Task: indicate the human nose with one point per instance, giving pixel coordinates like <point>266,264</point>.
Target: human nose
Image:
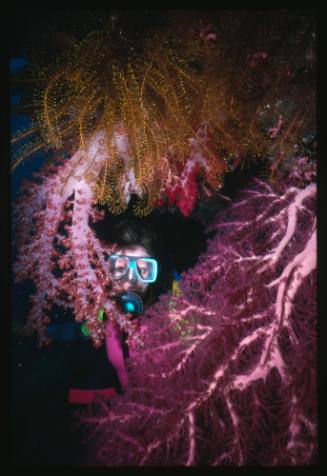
<point>131,276</point>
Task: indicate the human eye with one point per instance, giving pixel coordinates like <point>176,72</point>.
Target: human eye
<point>143,267</point>
<point>143,271</point>
<point>118,266</point>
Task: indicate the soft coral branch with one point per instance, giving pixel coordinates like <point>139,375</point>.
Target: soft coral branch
<point>56,247</point>
<point>215,377</point>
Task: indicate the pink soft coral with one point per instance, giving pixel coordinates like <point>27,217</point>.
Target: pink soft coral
<point>227,372</point>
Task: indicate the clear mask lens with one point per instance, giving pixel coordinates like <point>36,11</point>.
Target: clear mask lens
<point>145,268</point>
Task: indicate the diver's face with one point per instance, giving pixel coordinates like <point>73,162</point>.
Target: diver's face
<point>130,282</point>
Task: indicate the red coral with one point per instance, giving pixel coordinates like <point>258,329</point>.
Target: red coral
<point>185,193</point>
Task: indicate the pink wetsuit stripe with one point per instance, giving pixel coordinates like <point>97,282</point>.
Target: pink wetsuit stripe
<point>77,395</point>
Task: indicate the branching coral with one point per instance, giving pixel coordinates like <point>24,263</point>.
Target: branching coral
<point>57,248</point>
<point>220,378</point>
<point>226,374</point>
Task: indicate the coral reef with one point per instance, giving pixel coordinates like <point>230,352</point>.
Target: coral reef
<point>59,251</point>
<point>227,373</point>
<point>162,117</point>
<point>224,372</point>
<point>177,107</point>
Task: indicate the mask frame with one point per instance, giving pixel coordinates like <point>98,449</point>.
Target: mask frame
<point>132,264</point>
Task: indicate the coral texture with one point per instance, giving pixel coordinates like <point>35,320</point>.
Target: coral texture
<point>58,250</point>
<point>162,118</point>
<point>227,373</point>
<point>224,372</point>
<point>178,106</point>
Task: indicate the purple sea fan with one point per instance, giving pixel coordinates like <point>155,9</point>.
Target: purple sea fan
<point>226,374</point>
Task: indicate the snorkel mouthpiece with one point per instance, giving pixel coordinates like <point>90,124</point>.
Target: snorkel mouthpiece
<point>131,302</point>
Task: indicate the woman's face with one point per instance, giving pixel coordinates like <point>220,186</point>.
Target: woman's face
<point>130,281</point>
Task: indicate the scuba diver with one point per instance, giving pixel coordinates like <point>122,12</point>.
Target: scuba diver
<point>142,268</point>
<point>69,375</point>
